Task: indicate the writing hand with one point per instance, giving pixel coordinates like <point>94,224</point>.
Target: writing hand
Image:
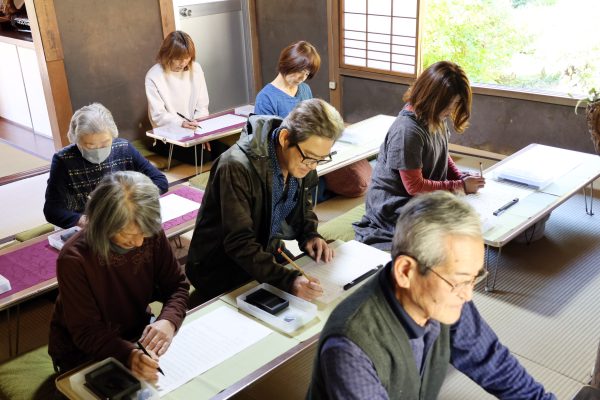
<point>307,289</point>
<point>189,124</point>
<point>142,366</point>
<point>473,183</point>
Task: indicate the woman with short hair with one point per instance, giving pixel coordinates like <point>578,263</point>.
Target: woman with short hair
<point>414,157</point>
<point>176,84</point>
<point>298,62</point>
<point>94,152</point>
<point>107,276</point>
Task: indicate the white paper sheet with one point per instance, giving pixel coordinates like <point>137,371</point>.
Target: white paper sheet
<point>493,196</point>
<point>173,132</point>
<point>205,343</point>
<point>539,166</point>
<point>174,206</point>
<point>223,121</point>
<point>352,259</point>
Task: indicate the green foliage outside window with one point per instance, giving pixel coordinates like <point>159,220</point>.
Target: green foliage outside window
<point>532,44</point>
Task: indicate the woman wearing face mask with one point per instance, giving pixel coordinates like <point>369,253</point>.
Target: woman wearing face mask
<point>94,151</point>
<point>175,86</point>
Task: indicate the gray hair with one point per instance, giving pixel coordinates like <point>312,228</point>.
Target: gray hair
<point>425,222</point>
<point>119,199</point>
<point>313,117</point>
<point>91,119</point>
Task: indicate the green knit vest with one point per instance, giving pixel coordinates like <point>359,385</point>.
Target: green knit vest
<point>366,319</point>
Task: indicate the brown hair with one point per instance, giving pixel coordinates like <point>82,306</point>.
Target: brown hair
<point>435,90</point>
<point>298,57</point>
<point>176,46</point>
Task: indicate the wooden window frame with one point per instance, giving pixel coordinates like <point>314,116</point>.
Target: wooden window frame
<point>361,70</point>
<point>407,79</point>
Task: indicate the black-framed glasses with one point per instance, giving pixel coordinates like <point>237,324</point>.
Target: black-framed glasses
<point>455,287</point>
<point>313,161</point>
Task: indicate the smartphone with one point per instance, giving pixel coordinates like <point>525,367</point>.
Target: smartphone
<point>267,301</point>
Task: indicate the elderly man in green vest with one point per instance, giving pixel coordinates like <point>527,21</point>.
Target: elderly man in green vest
<point>395,336</point>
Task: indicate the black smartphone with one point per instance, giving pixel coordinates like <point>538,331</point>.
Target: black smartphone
<point>111,381</point>
<point>267,301</point>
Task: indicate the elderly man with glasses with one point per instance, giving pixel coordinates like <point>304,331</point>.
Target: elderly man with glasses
<point>259,193</point>
<point>394,337</point>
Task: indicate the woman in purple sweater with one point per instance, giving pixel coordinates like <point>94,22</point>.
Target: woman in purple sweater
<point>109,273</point>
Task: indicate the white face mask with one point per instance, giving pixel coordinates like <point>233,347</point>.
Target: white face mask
<point>95,156</point>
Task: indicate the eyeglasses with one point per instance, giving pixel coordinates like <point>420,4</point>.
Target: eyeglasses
<point>456,287</point>
<point>459,287</point>
<point>313,161</point>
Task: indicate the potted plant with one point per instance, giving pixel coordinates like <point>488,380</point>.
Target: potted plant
<point>592,112</point>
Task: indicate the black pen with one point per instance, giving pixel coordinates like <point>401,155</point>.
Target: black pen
<point>188,120</point>
<point>506,206</point>
<point>361,278</point>
<point>142,348</point>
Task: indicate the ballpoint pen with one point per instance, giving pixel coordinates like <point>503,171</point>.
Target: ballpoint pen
<point>188,120</point>
<point>292,263</point>
<point>480,168</point>
<point>361,278</point>
<point>506,206</point>
<point>142,348</point>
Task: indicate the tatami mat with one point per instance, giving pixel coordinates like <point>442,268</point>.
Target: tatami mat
<point>14,160</point>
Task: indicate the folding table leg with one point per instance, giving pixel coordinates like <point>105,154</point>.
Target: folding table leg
<point>196,158</point>
<point>201,160</point>
<point>170,156</point>
<point>585,199</point>
<point>492,276</point>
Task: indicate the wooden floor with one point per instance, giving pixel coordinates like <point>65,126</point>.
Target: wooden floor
<point>26,140</point>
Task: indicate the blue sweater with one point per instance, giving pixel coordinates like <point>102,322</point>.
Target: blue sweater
<point>273,101</point>
<point>73,178</point>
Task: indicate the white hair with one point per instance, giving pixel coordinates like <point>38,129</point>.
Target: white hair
<point>426,221</point>
<point>91,119</point>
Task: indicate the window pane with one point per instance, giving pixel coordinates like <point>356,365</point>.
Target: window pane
<point>358,44</point>
<point>405,26</point>
<point>398,58</point>
<point>355,22</point>
<point>378,55</point>
<point>357,6</point>
<point>405,8</point>
<point>403,50</point>
<point>355,35</point>
<point>379,65</point>
<point>355,53</point>
<point>379,47</point>
<point>381,7</point>
<point>377,37</point>
<point>360,62</point>
<point>404,41</point>
<point>409,69</point>
<point>550,45</point>
<point>380,24</point>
